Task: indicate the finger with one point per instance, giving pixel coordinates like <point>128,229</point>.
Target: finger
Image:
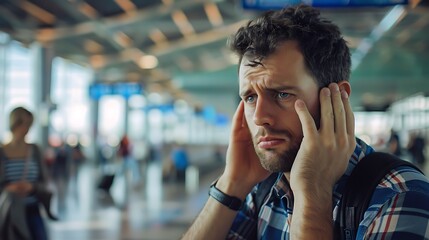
<point>350,119</point>
<point>338,108</point>
<point>237,119</point>
<point>326,112</point>
<point>307,121</point>
<point>240,130</point>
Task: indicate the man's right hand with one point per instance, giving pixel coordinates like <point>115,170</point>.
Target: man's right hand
<point>243,169</point>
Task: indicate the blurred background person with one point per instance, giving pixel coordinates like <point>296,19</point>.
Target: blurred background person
<point>394,144</point>
<point>23,174</point>
<point>416,147</point>
<point>179,157</point>
<point>61,175</point>
<point>129,163</point>
<point>77,159</point>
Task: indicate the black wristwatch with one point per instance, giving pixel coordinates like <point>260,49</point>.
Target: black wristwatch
<point>231,202</point>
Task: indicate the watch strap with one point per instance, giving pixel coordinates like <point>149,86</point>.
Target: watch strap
<point>231,202</point>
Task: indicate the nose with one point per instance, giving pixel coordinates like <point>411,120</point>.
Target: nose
<point>264,113</point>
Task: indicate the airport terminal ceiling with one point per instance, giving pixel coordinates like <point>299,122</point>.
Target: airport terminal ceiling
<point>157,42</point>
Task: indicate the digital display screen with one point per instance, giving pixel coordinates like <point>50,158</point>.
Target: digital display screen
<point>97,90</point>
<point>277,4</point>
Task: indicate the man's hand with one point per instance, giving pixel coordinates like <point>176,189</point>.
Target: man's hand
<point>321,160</point>
<point>324,153</point>
<point>243,169</point>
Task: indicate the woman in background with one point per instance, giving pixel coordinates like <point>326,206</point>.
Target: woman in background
<point>23,176</point>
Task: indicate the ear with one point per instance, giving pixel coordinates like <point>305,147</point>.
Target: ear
<point>345,85</point>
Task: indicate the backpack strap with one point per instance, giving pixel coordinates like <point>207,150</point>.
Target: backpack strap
<point>359,189</point>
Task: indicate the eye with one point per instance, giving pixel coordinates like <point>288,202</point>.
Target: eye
<point>283,95</point>
<point>250,99</point>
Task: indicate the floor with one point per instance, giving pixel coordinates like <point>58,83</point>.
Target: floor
<point>146,207</point>
<point>142,207</point>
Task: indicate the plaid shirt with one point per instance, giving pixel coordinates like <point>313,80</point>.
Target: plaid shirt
<point>399,208</point>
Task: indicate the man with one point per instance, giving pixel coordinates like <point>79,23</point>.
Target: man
<point>295,119</point>
<point>394,145</point>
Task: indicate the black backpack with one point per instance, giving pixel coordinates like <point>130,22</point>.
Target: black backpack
<point>357,192</point>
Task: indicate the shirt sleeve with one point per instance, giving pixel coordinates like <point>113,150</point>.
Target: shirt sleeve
<point>245,223</point>
<point>404,216</point>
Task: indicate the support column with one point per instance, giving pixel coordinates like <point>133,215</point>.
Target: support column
<point>126,116</point>
<point>43,56</point>
<point>94,119</point>
<point>4,43</point>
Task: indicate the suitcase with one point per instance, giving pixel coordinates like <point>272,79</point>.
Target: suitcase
<point>106,182</point>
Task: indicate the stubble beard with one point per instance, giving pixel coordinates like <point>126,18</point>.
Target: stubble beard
<point>274,161</point>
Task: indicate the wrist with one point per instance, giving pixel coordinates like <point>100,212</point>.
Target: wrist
<point>312,217</point>
<point>313,193</point>
<point>314,200</point>
<point>233,188</point>
<point>231,202</point>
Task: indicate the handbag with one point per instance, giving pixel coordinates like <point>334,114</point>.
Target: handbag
<point>13,223</point>
<point>5,204</point>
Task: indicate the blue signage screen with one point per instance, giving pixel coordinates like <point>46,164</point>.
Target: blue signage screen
<point>97,90</point>
<point>276,4</point>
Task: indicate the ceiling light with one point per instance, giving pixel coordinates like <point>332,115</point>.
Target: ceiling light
<point>97,61</point>
<point>126,5</point>
<point>213,14</point>
<point>46,35</point>
<point>132,53</point>
<point>148,62</point>
<point>89,11</point>
<point>122,39</point>
<point>158,37</point>
<point>92,46</point>
<point>38,12</point>
<point>182,23</point>
<point>167,2</point>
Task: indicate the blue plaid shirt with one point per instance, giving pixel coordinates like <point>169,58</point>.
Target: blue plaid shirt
<point>399,208</point>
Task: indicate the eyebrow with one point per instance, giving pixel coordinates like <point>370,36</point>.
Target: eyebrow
<point>276,89</point>
<point>244,93</point>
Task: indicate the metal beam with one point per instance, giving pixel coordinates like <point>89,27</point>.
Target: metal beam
<point>115,22</point>
<point>72,9</point>
<point>179,45</point>
<point>11,18</point>
<point>198,39</point>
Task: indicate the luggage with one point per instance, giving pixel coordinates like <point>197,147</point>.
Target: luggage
<point>106,182</point>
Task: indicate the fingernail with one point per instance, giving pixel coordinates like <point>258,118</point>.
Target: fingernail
<point>344,94</point>
<point>334,87</point>
<point>300,103</point>
<point>326,92</point>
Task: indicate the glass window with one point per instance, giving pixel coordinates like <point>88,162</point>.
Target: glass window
<point>17,85</point>
<point>69,93</point>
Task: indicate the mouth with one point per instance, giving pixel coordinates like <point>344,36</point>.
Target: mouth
<point>270,142</point>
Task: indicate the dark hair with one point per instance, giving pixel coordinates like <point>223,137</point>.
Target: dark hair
<point>17,117</point>
<point>326,54</point>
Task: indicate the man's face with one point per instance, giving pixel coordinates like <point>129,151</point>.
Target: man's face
<point>269,93</point>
